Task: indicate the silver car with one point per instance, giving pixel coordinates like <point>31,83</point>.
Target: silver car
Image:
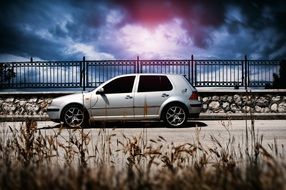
<point>166,97</point>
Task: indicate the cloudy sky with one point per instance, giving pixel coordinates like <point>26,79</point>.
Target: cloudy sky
<point>152,29</point>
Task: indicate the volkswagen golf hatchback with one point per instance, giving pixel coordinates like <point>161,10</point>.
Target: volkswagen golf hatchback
<point>166,97</point>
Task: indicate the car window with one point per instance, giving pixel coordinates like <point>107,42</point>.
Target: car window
<point>120,85</point>
<point>154,83</point>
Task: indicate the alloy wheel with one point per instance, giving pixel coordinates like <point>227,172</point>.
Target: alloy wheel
<point>74,116</point>
<point>175,116</point>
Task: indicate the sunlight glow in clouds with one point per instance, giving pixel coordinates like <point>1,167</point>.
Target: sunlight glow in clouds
<point>164,41</point>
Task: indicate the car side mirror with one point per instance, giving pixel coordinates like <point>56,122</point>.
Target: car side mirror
<point>100,91</point>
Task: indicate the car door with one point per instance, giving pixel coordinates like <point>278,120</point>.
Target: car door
<point>115,101</point>
<point>152,91</point>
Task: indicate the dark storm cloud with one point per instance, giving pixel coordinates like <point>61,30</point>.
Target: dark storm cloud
<point>47,29</point>
<point>22,24</point>
<point>261,14</point>
<point>27,44</point>
<point>19,22</point>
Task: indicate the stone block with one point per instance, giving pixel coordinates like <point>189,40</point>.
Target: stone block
<point>275,99</point>
<point>214,105</point>
<point>262,102</point>
<point>9,100</point>
<point>258,109</point>
<point>215,98</point>
<point>230,99</point>
<point>274,107</point>
<point>282,107</point>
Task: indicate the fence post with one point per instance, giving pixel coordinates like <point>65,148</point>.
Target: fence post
<point>195,73</point>
<point>31,61</point>
<point>246,72</point>
<point>189,70</point>
<point>80,73</point>
<point>135,66</point>
<point>192,67</point>
<point>242,73</point>
<point>83,73</point>
<point>86,74</point>
<point>138,65</point>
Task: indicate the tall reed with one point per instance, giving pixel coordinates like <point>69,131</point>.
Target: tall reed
<point>80,159</point>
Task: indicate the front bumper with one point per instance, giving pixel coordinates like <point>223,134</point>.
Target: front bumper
<point>54,113</point>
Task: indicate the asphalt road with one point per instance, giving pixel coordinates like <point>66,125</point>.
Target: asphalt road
<point>194,131</point>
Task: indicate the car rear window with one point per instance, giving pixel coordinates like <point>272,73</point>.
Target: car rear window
<point>154,83</point>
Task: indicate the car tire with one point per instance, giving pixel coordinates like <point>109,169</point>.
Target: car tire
<point>175,115</point>
<point>74,116</point>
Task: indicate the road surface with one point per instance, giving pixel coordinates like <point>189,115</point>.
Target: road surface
<point>194,131</point>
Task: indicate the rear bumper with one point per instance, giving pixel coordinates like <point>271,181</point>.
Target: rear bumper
<point>194,115</point>
<point>196,105</point>
<point>195,110</point>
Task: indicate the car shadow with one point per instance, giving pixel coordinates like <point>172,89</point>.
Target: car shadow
<point>129,124</point>
<point>141,125</point>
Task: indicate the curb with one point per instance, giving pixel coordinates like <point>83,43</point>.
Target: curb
<point>203,116</point>
<point>13,118</point>
<point>241,116</point>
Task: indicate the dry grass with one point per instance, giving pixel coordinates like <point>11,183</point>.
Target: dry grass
<point>32,160</point>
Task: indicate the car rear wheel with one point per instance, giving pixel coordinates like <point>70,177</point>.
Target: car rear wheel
<point>175,116</point>
<point>74,116</point>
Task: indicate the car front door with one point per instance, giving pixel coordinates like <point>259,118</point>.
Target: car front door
<point>115,101</point>
<point>151,93</point>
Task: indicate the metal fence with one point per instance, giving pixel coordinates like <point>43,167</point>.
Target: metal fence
<point>89,74</point>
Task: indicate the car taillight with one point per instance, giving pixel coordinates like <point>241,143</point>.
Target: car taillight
<point>194,96</point>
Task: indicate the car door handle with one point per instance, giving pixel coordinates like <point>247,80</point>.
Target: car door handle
<point>128,97</point>
<point>165,95</point>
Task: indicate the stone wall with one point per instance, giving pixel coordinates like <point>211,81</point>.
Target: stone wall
<point>243,103</point>
<point>27,104</point>
<point>24,106</point>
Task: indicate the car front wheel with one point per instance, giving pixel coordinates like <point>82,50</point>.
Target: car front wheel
<point>175,116</point>
<point>74,116</point>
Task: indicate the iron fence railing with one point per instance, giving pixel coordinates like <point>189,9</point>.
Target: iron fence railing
<point>42,74</point>
<point>89,74</point>
<point>259,72</point>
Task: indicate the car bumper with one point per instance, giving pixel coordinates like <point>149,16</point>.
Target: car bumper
<point>197,115</point>
<point>195,109</point>
<point>54,113</point>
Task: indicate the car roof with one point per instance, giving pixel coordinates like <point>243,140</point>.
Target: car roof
<point>153,74</point>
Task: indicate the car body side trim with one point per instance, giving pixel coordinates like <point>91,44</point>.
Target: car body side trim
<point>53,109</point>
<point>127,107</point>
